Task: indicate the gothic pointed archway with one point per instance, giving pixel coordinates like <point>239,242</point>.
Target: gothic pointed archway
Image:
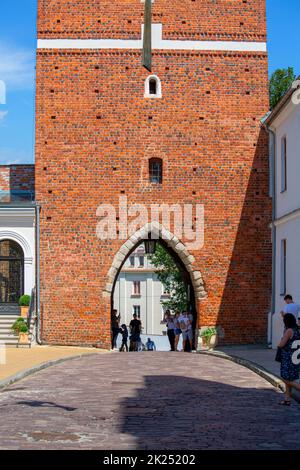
<point>175,246</point>
<point>183,259</point>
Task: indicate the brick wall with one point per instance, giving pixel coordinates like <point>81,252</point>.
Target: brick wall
<point>187,19</point>
<point>17,178</point>
<point>96,133</point>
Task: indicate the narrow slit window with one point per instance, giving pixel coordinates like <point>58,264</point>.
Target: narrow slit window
<point>155,170</point>
<point>283,164</point>
<point>152,87</point>
<point>283,267</point>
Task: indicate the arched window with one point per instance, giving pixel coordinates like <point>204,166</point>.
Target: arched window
<point>155,170</point>
<point>11,271</point>
<point>153,87</point>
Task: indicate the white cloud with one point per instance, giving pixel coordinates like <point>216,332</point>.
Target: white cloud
<point>2,115</point>
<point>16,67</point>
<point>9,156</point>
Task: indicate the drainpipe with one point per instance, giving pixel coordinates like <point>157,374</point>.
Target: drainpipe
<point>37,274</point>
<point>272,137</point>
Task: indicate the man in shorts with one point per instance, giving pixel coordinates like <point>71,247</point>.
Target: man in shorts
<point>187,330</point>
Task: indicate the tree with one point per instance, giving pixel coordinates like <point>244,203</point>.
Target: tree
<point>171,277</point>
<point>281,80</point>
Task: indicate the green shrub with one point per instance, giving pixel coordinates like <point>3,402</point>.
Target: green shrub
<point>24,301</point>
<point>20,326</point>
<point>209,332</point>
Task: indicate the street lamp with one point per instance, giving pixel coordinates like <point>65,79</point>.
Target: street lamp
<point>150,246</point>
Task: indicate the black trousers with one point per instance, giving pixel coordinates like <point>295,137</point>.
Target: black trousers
<point>124,345</point>
<point>115,332</point>
<point>171,336</point>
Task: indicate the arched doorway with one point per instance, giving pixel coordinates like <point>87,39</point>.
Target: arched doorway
<point>184,260</point>
<point>11,271</point>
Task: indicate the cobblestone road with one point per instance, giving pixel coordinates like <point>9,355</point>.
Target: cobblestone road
<point>146,401</point>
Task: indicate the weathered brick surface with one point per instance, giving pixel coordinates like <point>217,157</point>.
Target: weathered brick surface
<point>182,19</point>
<point>17,178</point>
<point>96,133</point>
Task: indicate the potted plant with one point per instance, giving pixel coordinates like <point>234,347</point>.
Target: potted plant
<point>20,328</point>
<point>24,302</point>
<point>209,337</point>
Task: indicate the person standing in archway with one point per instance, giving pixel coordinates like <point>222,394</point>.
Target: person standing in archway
<point>187,331</point>
<point>170,329</point>
<point>115,327</point>
<point>177,329</point>
<point>135,330</point>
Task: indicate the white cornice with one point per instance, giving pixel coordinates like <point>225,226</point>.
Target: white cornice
<point>158,43</point>
<point>10,211</point>
<point>287,218</point>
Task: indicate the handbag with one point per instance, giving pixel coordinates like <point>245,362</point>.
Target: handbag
<point>278,357</point>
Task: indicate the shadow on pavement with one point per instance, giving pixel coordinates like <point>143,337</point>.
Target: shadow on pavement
<point>48,404</point>
<point>175,412</point>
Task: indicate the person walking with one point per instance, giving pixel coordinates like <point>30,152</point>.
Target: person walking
<point>289,370</point>
<point>170,329</point>
<point>115,322</point>
<point>124,333</point>
<point>291,307</point>
<point>177,330</point>
<point>135,327</point>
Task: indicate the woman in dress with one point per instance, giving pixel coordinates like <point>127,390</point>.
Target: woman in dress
<point>289,364</point>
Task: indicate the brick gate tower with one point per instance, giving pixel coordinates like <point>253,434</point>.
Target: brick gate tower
<point>156,102</point>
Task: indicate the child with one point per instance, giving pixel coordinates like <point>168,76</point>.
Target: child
<point>124,333</point>
<point>150,345</point>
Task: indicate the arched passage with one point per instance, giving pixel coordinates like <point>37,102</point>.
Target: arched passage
<point>11,271</point>
<point>183,259</point>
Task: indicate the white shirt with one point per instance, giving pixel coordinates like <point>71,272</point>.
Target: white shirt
<point>184,319</point>
<point>294,309</point>
<point>170,324</point>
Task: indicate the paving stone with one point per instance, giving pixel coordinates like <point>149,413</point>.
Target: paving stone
<point>146,401</point>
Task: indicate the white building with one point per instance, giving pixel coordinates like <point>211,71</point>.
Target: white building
<point>139,291</point>
<point>284,128</point>
<point>17,233</point>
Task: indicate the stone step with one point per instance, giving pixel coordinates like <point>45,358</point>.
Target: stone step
<point>5,329</point>
<point>8,317</point>
<point>10,312</point>
<point>10,342</point>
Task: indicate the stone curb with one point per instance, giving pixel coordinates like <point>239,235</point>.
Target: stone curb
<point>44,365</point>
<point>257,369</point>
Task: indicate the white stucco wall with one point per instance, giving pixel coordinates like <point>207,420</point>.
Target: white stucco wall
<point>289,231</point>
<point>18,225</point>
<point>287,124</point>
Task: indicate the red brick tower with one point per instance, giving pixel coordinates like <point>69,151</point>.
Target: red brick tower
<point>99,124</point>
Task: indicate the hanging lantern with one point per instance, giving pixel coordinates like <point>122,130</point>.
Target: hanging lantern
<point>150,246</point>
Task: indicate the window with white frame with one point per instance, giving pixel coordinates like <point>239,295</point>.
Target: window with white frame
<point>283,164</point>
<point>283,267</point>
<point>142,261</point>
<point>136,288</point>
<point>131,261</point>
<point>153,87</point>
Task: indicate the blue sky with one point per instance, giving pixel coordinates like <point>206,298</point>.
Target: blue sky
<point>17,51</point>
